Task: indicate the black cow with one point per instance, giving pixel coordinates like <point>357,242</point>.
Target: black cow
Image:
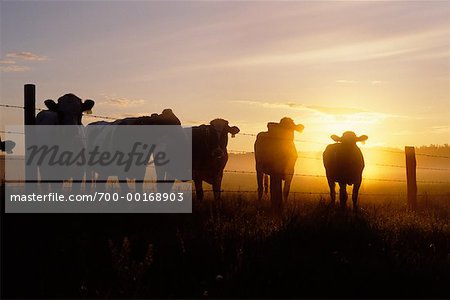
<point>275,156</point>
<point>108,138</point>
<point>67,111</point>
<point>209,154</point>
<point>344,164</point>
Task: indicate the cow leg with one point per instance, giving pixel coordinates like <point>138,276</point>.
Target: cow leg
<point>198,189</point>
<point>50,185</point>
<point>47,187</point>
<point>287,186</point>
<point>139,185</point>
<point>57,186</point>
<point>275,193</point>
<point>76,185</point>
<point>332,186</point>
<point>259,179</point>
<point>217,187</point>
<point>355,192</point>
<point>343,194</point>
<point>100,183</point>
<point>90,179</point>
<point>124,188</point>
<point>163,185</point>
<point>77,181</point>
<point>266,184</point>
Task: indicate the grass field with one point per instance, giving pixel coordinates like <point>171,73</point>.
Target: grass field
<point>237,249</point>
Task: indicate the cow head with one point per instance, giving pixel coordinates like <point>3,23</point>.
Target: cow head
<point>349,138</point>
<point>288,123</point>
<point>70,108</point>
<point>167,117</point>
<point>222,129</point>
<point>285,129</point>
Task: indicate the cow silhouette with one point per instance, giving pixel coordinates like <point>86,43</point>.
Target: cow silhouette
<point>7,146</point>
<point>209,154</point>
<point>111,138</point>
<point>344,164</point>
<point>275,156</point>
<point>68,110</point>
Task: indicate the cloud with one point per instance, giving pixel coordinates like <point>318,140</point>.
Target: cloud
<point>7,62</point>
<point>14,68</point>
<point>193,122</point>
<point>345,81</point>
<point>418,45</point>
<point>374,82</point>
<point>441,129</point>
<point>24,55</point>
<point>426,131</point>
<point>298,106</point>
<point>121,101</point>
<point>336,110</point>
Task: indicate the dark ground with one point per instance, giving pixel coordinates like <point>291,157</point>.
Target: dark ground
<point>237,251</point>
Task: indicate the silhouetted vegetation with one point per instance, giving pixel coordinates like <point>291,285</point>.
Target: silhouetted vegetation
<point>236,250</point>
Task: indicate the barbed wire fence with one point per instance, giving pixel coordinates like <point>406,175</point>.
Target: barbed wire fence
<point>253,135</point>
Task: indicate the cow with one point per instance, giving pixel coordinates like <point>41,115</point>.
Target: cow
<point>109,138</point>
<point>275,156</point>
<point>344,164</point>
<point>209,154</point>
<point>7,146</point>
<point>68,110</point>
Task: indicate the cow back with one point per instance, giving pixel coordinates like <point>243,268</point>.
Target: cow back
<point>343,163</point>
<point>205,147</point>
<point>275,152</point>
<point>47,117</point>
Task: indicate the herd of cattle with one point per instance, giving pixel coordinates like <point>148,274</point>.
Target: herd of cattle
<point>275,151</point>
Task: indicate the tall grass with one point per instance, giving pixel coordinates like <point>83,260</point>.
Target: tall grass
<point>240,249</point>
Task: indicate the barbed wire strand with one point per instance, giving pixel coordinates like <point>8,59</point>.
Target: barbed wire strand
<point>11,132</point>
<point>307,175</point>
<point>241,133</point>
<point>370,164</point>
<point>41,109</point>
<point>323,176</point>
<point>314,158</point>
<point>327,193</point>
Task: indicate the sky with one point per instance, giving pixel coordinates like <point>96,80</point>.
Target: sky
<point>376,68</point>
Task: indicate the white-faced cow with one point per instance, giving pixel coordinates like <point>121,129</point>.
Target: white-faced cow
<point>68,110</point>
<point>209,154</point>
<point>7,146</point>
<point>109,138</point>
<point>344,164</point>
<point>275,156</point>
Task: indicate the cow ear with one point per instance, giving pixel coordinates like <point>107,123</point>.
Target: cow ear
<point>51,105</point>
<point>233,130</point>
<point>335,138</point>
<point>87,105</point>
<point>299,127</point>
<point>362,138</point>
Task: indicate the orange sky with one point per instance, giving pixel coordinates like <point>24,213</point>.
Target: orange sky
<point>380,69</point>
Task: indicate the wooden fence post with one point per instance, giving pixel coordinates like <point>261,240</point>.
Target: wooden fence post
<point>29,119</point>
<point>410,154</point>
